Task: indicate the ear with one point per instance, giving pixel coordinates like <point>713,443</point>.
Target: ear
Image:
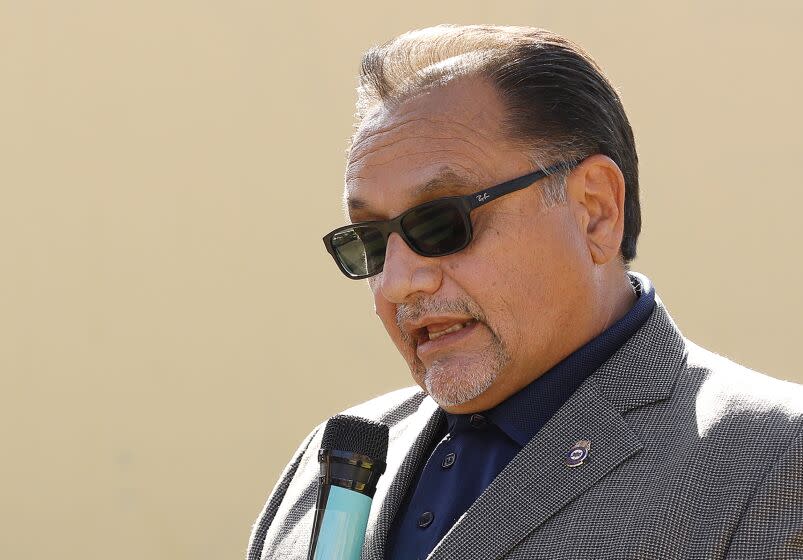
<point>596,191</point>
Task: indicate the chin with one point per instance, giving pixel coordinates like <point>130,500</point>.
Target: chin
<point>451,386</point>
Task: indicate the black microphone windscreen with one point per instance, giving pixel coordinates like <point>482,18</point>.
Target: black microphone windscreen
<point>356,435</point>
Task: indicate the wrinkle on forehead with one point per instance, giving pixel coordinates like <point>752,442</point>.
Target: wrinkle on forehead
<point>374,149</point>
<point>385,136</point>
<point>469,109</point>
<point>389,147</point>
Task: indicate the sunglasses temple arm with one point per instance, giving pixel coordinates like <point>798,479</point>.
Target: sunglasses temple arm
<point>483,197</point>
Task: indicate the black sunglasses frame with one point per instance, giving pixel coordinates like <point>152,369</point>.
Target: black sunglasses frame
<point>464,205</point>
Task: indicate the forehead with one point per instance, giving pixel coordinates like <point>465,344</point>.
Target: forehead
<point>445,141</point>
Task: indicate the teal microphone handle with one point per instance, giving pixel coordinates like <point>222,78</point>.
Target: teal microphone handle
<point>347,484</point>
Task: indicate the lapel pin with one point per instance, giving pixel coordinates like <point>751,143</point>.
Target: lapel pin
<point>578,453</point>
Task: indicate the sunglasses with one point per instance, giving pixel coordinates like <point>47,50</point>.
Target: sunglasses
<point>434,229</point>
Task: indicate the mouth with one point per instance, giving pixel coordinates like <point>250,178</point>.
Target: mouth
<point>439,335</point>
<point>433,332</point>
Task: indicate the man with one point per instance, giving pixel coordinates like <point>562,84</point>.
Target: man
<point>492,190</point>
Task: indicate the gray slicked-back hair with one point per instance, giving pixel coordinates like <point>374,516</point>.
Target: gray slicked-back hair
<point>560,106</point>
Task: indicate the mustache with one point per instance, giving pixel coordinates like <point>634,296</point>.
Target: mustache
<point>413,311</point>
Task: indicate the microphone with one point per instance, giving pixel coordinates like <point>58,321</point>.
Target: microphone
<point>352,457</point>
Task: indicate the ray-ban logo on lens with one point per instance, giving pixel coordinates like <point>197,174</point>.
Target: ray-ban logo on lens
<point>483,197</point>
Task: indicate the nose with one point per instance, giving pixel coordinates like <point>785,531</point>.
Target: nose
<point>407,274</point>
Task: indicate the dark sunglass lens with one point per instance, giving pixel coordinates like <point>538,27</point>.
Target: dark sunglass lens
<point>436,229</point>
<point>360,249</point>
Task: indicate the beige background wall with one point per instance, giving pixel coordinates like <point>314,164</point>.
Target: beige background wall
<point>170,325</point>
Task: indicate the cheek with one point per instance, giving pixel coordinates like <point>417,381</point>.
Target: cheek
<point>386,312</point>
<point>383,308</point>
<point>524,283</point>
<point>493,281</point>
<point>387,317</point>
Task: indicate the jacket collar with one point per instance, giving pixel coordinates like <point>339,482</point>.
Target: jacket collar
<point>644,370</point>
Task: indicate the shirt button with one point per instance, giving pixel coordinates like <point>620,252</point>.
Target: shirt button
<point>426,519</point>
<point>448,461</point>
<point>478,421</point>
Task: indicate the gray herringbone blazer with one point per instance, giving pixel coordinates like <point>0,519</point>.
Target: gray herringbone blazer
<point>692,457</point>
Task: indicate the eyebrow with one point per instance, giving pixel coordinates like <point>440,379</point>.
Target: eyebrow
<point>447,178</point>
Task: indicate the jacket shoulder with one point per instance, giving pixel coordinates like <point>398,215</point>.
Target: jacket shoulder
<point>725,388</point>
<point>390,408</point>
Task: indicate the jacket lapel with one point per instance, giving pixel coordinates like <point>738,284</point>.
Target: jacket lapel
<point>410,440</point>
<point>537,483</point>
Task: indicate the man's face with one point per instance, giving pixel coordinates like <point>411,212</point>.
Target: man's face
<point>478,325</point>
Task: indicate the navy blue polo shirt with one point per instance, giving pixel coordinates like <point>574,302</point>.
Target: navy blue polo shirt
<point>474,448</point>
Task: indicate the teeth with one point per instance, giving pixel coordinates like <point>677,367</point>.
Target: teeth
<point>453,328</point>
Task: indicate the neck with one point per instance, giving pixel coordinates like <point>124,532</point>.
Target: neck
<point>617,297</point>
